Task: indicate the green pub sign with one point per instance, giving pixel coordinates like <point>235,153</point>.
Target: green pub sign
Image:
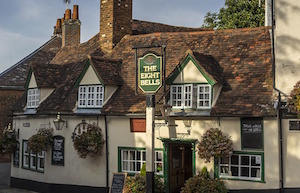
<point>149,74</point>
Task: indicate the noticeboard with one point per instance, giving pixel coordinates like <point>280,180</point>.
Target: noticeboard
<point>58,151</point>
<point>16,156</point>
<point>118,183</point>
<point>252,133</point>
<point>150,73</point>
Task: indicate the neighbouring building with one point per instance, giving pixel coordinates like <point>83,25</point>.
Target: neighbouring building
<point>214,79</point>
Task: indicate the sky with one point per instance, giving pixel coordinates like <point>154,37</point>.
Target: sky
<point>25,25</point>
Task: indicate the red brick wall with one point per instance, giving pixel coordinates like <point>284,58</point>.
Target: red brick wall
<point>7,99</point>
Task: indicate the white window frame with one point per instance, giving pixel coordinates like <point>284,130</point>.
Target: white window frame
<point>225,168</point>
<point>33,98</point>
<point>204,93</point>
<point>32,158</point>
<point>186,96</point>
<point>90,96</point>
<point>134,161</point>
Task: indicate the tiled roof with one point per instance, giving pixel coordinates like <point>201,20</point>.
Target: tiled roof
<point>241,58</point>
<point>15,76</point>
<point>145,27</point>
<point>243,54</point>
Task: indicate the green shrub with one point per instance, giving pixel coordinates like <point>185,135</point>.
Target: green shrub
<point>202,183</point>
<point>137,184</point>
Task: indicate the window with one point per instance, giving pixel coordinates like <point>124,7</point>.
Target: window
<point>31,160</point>
<point>90,96</point>
<point>242,166</point>
<point>294,126</point>
<point>204,96</point>
<point>33,98</point>
<point>132,160</point>
<point>181,96</point>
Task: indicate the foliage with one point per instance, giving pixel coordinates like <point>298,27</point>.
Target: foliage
<point>41,141</point>
<point>8,144</point>
<point>137,184</point>
<point>294,100</point>
<point>237,14</point>
<point>89,142</point>
<point>214,144</point>
<point>202,183</point>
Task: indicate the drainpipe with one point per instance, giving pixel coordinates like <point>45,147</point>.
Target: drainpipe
<point>107,153</point>
<point>279,116</point>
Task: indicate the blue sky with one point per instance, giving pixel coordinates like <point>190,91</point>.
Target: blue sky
<point>25,25</point>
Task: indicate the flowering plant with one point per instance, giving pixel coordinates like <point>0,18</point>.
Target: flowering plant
<point>294,100</point>
<point>8,144</point>
<point>89,142</point>
<point>41,141</point>
<point>214,144</point>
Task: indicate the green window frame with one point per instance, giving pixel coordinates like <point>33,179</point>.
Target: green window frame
<point>131,160</point>
<point>245,166</point>
<point>31,160</point>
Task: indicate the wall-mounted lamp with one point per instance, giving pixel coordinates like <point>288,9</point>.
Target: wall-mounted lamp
<point>165,111</point>
<point>187,123</point>
<point>9,131</point>
<point>58,122</point>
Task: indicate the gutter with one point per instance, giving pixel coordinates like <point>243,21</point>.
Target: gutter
<point>106,152</point>
<point>279,108</point>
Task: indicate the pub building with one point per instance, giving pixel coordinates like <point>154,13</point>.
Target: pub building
<point>209,79</point>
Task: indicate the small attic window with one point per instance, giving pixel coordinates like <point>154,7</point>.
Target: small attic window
<point>90,96</point>
<point>33,98</point>
<point>191,96</point>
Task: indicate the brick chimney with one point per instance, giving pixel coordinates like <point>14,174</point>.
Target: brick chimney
<point>115,22</point>
<point>57,28</point>
<point>71,28</point>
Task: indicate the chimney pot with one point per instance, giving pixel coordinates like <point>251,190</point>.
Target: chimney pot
<point>75,12</point>
<point>58,23</point>
<point>68,14</point>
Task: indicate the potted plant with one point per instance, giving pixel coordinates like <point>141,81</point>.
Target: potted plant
<point>214,144</point>
<point>89,142</point>
<point>41,141</point>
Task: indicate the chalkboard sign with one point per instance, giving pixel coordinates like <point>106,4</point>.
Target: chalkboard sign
<point>58,150</point>
<point>118,182</point>
<point>16,157</point>
<point>252,133</point>
<point>294,126</point>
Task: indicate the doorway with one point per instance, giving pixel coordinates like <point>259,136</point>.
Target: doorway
<point>180,165</point>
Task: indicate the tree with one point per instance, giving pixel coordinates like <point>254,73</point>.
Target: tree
<point>237,14</point>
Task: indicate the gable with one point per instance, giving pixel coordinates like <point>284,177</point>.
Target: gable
<point>32,81</point>
<point>90,77</point>
<point>190,74</point>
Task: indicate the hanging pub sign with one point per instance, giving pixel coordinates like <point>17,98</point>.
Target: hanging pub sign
<point>58,147</point>
<point>149,73</point>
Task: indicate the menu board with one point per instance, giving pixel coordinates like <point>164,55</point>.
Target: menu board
<point>252,133</point>
<point>58,150</point>
<point>16,158</point>
<point>118,182</point>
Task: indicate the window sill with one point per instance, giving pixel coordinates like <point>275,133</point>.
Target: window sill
<point>95,111</point>
<point>34,170</point>
<point>244,180</point>
<point>190,112</point>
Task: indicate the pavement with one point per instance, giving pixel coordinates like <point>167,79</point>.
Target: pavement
<point>7,189</point>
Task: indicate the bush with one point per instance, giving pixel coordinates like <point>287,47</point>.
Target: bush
<point>137,184</point>
<point>41,141</point>
<point>214,144</point>
<point>89,142</point>
<point>294,100</point>
<point>202,183</point>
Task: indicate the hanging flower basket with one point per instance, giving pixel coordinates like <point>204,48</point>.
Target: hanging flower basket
<point>89,142</point>
<point>41,141</point>
<point>8,143</point>
<point>294,100</point>
<point>214,144</point>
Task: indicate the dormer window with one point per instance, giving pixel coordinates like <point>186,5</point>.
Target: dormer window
<point>90,96</point>
<point>183,97</point>
<point>204,96</point>
<point>33,98</point>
